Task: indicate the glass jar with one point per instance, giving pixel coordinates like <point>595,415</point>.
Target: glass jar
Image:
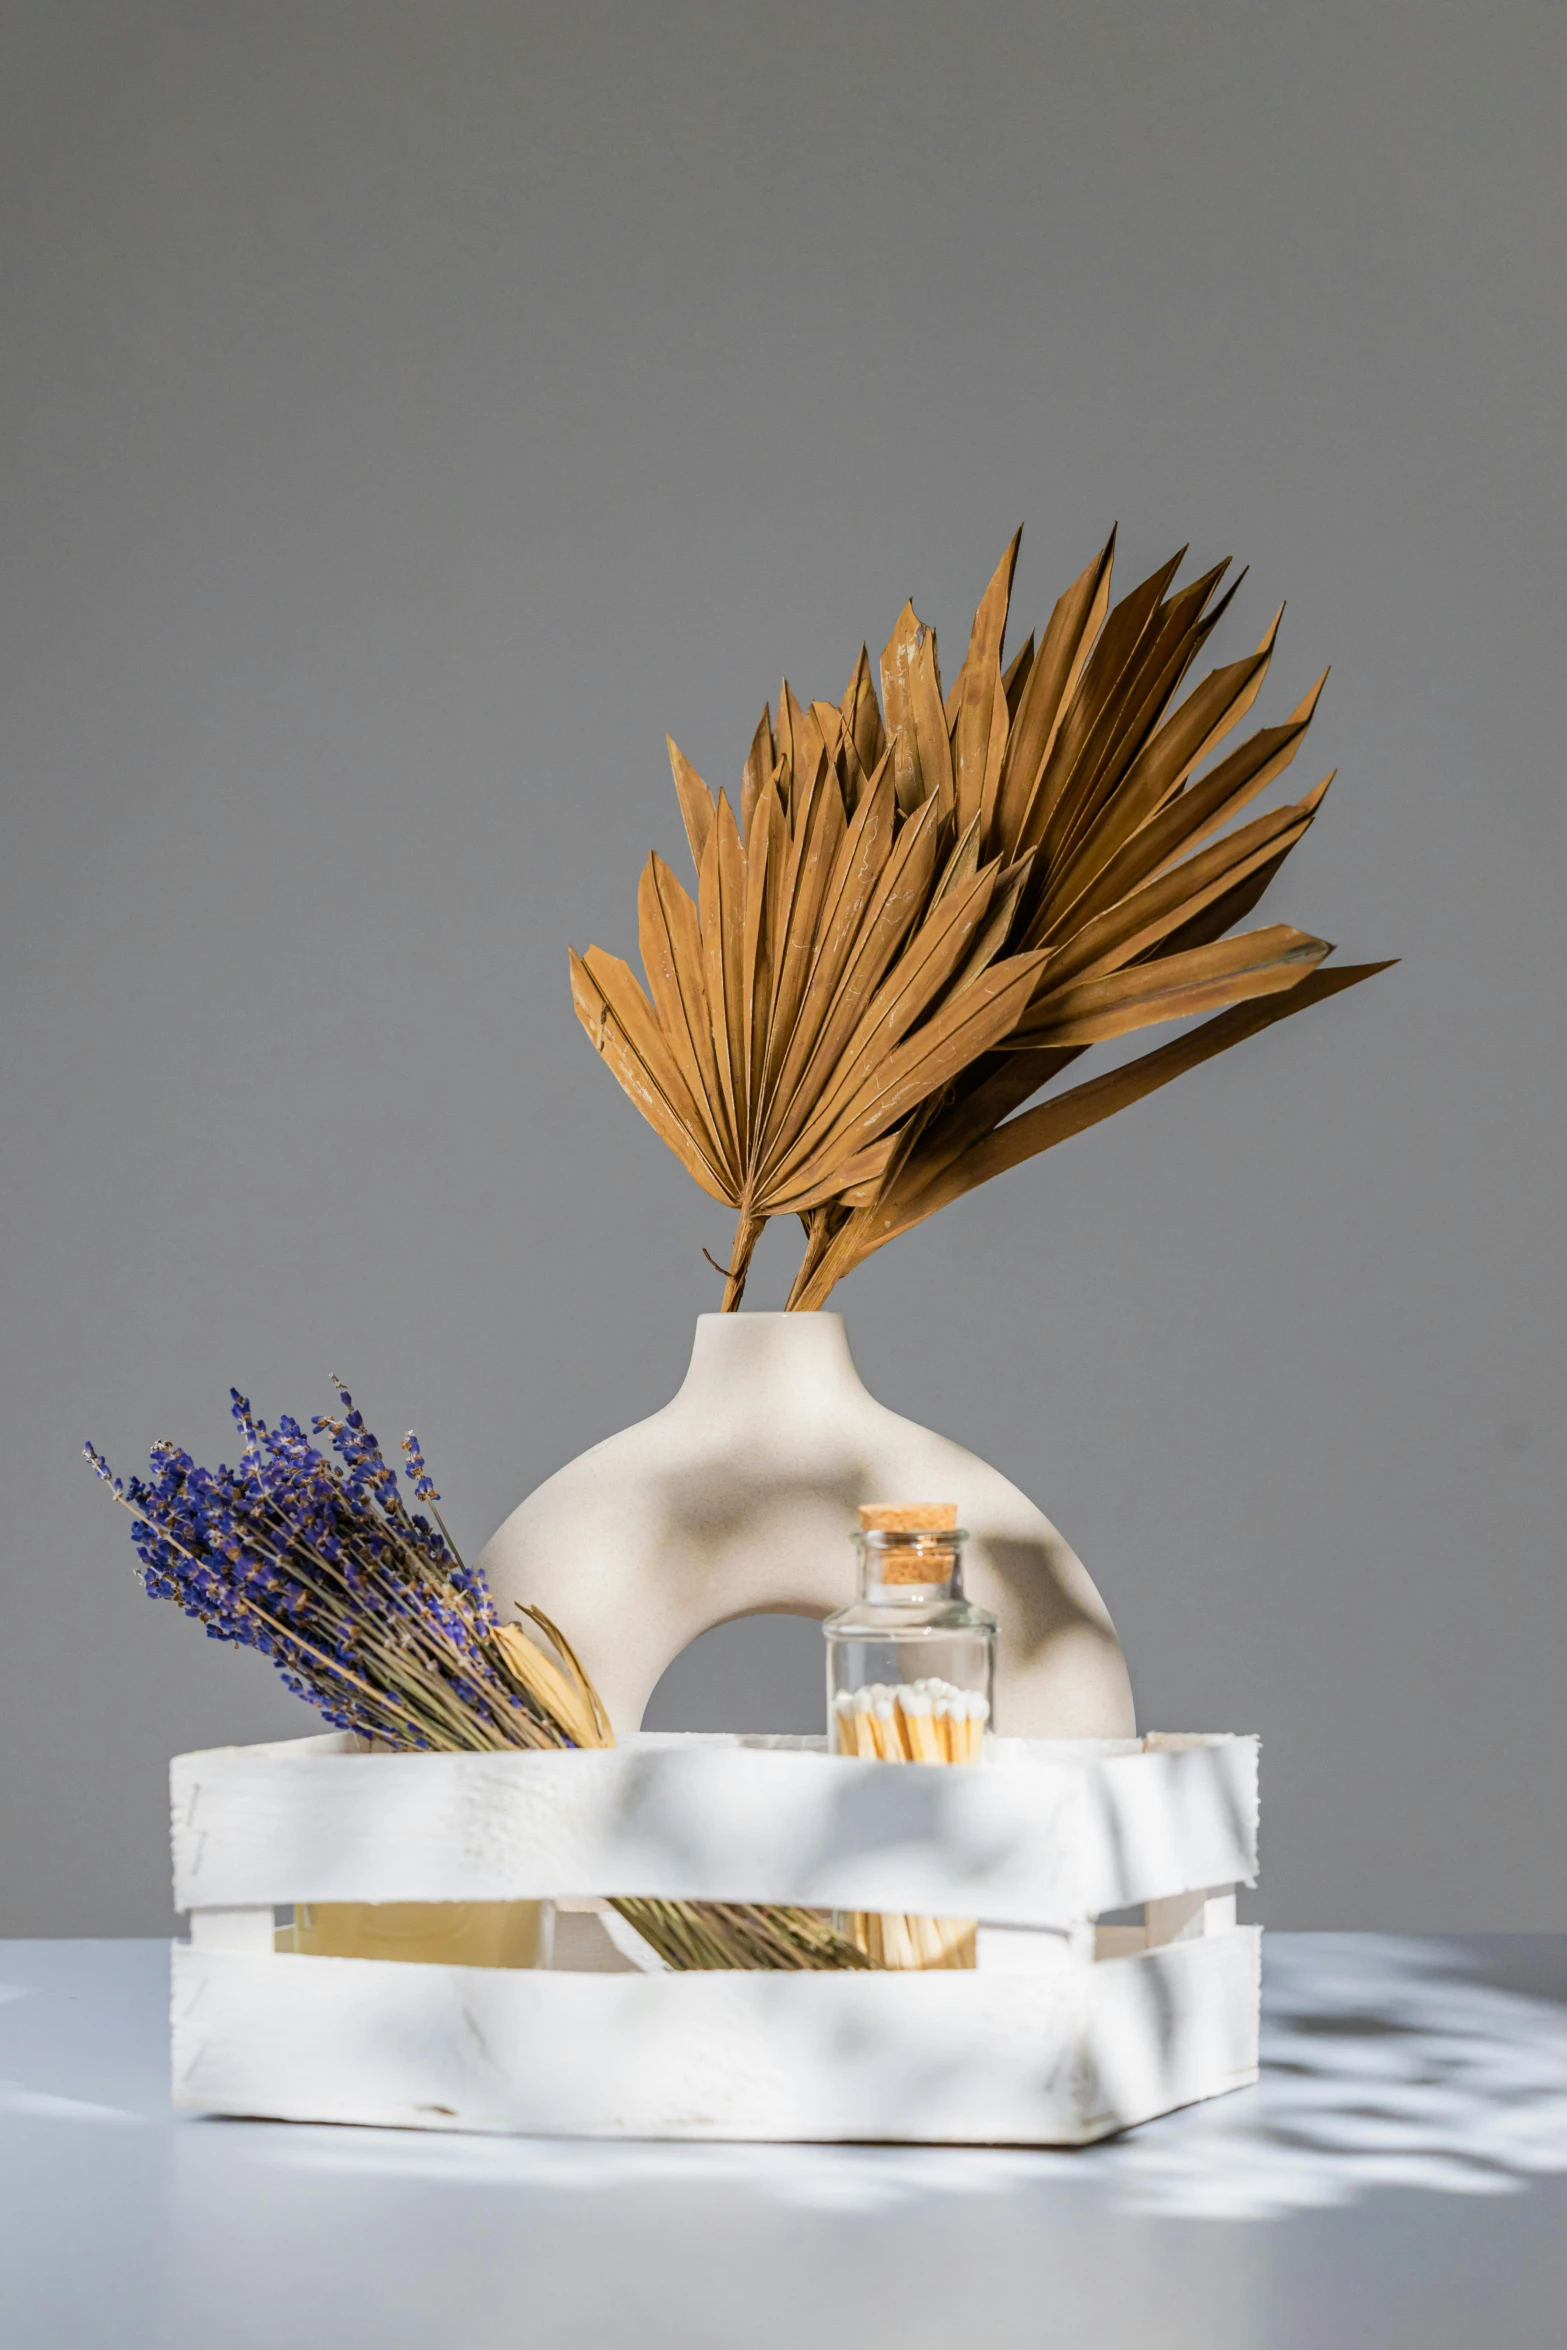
<point>910,1678</point>
<point>911,1664</point>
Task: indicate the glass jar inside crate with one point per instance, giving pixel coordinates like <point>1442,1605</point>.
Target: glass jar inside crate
<point>911,1663</point>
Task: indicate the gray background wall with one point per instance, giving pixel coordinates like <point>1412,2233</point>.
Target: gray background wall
<point>409,412</point>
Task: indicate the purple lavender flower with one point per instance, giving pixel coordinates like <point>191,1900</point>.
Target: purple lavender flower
<point>365,1608</point>
<point>369,1614</point>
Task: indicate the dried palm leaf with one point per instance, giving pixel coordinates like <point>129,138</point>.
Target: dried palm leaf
<point>927,908</point>
<point>1007,1145</point>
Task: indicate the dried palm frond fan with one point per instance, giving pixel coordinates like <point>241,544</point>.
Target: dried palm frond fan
<point>924,911</point>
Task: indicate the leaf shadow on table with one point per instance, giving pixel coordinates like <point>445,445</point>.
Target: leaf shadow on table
<point>1387,2062</point>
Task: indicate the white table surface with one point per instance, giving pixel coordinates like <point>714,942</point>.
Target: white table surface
<point>1399,2179</point>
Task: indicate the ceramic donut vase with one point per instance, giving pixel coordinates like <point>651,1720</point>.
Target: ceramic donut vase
<point>738,1498</point>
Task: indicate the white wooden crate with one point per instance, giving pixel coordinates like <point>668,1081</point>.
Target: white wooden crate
<point>1068,2029</point>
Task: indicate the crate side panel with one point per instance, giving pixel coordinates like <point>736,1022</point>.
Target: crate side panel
<point>1031,1841</point>
<point>940,2058</point>
<point>724,1824</point>
<point>1172,2026</point>
<point>1174,1820</point>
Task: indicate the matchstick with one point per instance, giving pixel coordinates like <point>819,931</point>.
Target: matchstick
<point>927,1721</point>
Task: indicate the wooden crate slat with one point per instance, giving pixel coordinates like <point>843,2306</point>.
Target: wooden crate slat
<point>1044,1836</point>
<point>1056,2056</point>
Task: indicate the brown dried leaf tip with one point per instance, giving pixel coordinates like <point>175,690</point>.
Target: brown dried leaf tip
<point>927,907</point>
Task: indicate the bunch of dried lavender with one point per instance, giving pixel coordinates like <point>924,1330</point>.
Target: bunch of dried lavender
<point>369,1613</point>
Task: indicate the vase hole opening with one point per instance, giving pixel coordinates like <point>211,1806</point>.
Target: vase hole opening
<point>759,1672</point>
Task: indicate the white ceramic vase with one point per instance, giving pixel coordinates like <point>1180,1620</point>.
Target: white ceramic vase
<point>739,1498</point>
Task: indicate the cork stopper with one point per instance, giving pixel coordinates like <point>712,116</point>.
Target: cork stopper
<point>924,1562</point>
<point>908,1517</point>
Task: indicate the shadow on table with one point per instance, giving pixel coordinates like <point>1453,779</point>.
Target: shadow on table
<point>1386,2063</point>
